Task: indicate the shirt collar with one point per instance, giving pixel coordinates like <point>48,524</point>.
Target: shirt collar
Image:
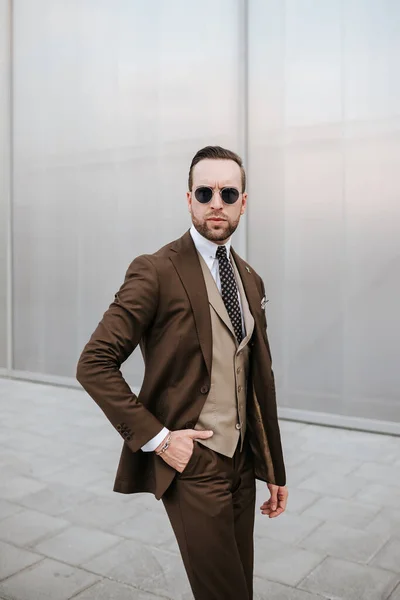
<point>207,248</point>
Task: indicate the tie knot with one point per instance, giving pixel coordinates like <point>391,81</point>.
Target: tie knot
<point>221,253</point>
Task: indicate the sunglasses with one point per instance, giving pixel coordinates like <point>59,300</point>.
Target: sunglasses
<point>204,194</point>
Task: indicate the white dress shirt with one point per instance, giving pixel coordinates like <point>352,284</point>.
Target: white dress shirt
<point>207,249</point>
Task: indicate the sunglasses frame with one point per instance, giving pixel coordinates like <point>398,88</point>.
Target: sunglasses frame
<point>228,187</point>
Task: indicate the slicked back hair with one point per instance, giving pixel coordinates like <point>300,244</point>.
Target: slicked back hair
<point>216,152</point>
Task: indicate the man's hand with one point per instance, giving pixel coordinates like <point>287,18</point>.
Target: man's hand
<point>180,450</point>
<point>277,501</point>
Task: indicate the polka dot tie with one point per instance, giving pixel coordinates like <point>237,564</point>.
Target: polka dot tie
<point>229,291</point>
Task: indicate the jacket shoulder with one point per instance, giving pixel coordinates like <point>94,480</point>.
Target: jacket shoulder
<point>160,257</point>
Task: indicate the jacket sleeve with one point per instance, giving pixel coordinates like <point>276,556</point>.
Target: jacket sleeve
<point>114,339</point>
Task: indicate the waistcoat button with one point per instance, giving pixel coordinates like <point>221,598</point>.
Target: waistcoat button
<point>238,426</point>
<point>239,388</point>
<point>189,425</point>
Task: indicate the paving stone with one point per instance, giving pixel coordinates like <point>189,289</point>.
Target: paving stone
<point>396,594</point>
<point>79,475</point>
<point>37,466</point>
<point>172,583</point>
<point>297,474</point>
<point>132,562</point>
<point>65,451</point>
<point>148,502</point>
<point>48,580</point>
<point>286,528</point>
<point>388,557</point>
<point>104,487</point>
<point>148,527</point>
<point>27,527</point>
<point>76,545</point>
<point>378,473</point>
<point>386,521</point>
<point>294,440</point>
<point>111,590</point>
<point>56,468</point>
<point>8,508</point>
<point>380,495</point>
<point>14,460</point>
<point>294,456</point>
<point>339,579</point>
<point>18,486</point>
<point>299,500</point>
<point>334,465</point>
<point>347,512</point>
<point>56,498</point>
<point>103,512</point>
<point>344,542</point>
<point>283,563</point>
<point>23,439</point>
<point>14,559</point>
<point>334,485</point>
<point>172,546</point>
<point>270,590</point>
<point>100,458</point>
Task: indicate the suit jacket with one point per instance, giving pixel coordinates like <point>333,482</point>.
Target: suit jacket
<point>163,307</point>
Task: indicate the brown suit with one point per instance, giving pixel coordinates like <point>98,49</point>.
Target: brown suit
<point>163,306</point>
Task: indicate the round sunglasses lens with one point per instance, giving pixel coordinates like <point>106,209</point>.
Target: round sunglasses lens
<point>203,194</point>
<point>229,195</point>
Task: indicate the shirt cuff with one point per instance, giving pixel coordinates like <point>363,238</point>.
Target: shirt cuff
<point>152,444</point>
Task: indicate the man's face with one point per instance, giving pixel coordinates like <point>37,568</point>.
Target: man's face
<point>216,220</point>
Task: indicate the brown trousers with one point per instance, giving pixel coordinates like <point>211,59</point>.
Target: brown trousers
<point>211,509</point>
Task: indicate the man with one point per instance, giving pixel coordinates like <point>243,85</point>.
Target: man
<point>204,425</point>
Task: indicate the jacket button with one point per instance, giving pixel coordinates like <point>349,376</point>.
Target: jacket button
<point>204,389</point>
<point>189,425</point>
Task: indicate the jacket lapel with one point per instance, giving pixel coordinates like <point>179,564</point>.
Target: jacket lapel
<point>186,262</point>
<point>250,287</point>
<point>214,297</point>
<point>185,259</point>
<point>247,316</point>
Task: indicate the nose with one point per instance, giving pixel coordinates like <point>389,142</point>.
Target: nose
<point>216,200</point>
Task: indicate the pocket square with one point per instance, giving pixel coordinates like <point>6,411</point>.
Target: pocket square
<point>264,302</point>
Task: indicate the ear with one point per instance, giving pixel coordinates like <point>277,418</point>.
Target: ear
<point>189,200</point>
<point>244,203</point>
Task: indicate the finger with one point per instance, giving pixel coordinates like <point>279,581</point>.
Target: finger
<point>201,434</point>
<point>274,499</point>
<point>282,502</point>
<point>266,512</point>
<point>276,513</point>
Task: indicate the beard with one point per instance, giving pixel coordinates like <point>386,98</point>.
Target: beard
<point>215,232</point>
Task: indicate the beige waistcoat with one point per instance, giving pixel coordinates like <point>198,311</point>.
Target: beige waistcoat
<point>224,411</point>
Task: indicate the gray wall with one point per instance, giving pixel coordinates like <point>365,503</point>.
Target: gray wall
<point>110,102</point>
<point>4,180</point>
<point>324,225</point>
